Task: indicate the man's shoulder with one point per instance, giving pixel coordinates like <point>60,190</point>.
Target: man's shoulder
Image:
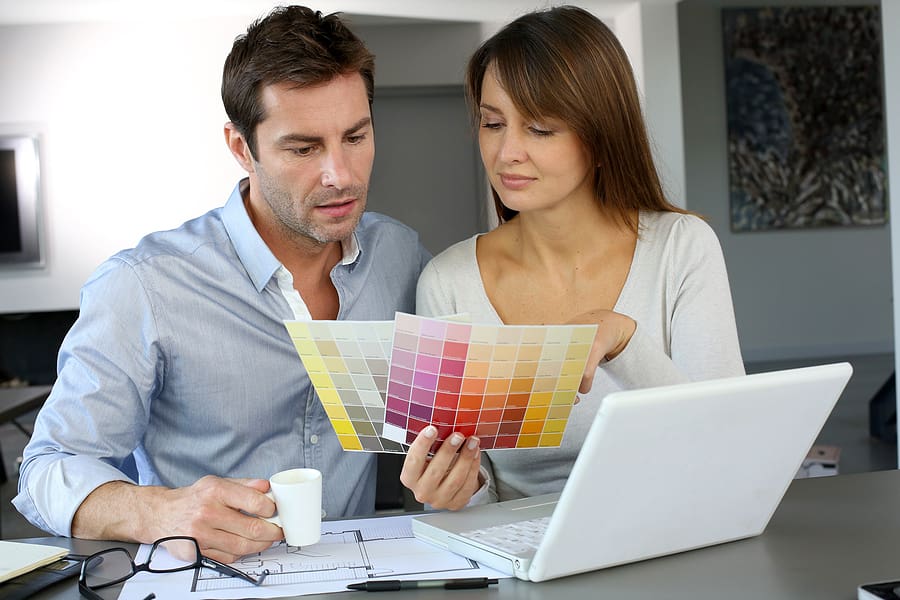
<point>184,240</point>
<point>377,229</point>
<point>379,222</point>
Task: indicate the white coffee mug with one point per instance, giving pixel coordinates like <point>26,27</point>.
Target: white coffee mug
<point>297,494</point>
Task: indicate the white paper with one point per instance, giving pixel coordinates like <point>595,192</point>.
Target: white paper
<point>350,551</point>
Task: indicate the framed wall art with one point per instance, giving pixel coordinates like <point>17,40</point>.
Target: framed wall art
<point>805,117</point>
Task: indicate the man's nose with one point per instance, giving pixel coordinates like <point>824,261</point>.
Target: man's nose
<point>335,170</point>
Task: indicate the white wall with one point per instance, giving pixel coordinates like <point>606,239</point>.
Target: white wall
<point>131,138</point>
<point>649,33</point>
<point>131,122</point>
<point>126,95</point>
<point>43,11</point>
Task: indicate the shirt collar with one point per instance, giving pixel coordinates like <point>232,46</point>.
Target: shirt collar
<point>350,249</point>
<point>252,251</point>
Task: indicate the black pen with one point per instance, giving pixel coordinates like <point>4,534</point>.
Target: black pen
<point>448,584</point>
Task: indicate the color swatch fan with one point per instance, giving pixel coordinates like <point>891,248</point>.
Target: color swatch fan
<point>512,386</point>
<point>347,362</point>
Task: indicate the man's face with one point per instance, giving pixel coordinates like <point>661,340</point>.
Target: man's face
<point>315,149</point>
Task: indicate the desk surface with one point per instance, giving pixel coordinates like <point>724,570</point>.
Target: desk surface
<point>828,535</point>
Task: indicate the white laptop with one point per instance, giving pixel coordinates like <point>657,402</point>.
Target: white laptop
<point>662,470</point>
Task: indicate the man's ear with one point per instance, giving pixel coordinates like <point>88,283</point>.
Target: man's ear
<point>238,146</point>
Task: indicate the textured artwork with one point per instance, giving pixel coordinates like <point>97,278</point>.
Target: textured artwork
<point>806,142</point>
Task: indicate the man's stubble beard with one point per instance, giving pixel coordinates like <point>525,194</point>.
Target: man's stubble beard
<point>295,223</point>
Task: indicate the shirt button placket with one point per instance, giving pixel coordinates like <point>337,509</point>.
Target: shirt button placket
<point>312,451</point>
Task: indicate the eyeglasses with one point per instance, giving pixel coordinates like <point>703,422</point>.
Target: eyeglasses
<point>115,565</point>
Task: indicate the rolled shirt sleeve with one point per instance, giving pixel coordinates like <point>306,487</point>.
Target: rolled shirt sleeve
<point>95,417</point>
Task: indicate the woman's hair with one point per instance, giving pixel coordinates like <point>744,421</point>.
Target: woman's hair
<point>291,44</point>
<point>564,63</point>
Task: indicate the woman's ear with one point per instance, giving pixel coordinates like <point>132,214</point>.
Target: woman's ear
<point>236,142</point>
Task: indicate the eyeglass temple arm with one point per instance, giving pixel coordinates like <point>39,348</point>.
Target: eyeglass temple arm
<point>232,572</point>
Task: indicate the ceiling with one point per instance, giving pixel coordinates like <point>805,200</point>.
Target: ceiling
<point>363,12</point>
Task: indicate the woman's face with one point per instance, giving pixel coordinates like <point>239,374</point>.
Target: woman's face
<point>532,165</point>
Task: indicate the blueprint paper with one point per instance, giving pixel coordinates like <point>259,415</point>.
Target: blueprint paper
<point>350,551</point>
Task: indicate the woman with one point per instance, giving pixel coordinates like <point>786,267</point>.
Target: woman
<point>586,235</point>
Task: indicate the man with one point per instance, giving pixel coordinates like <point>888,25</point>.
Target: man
<point>179,389</point>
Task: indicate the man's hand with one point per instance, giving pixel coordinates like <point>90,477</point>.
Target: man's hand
<point>450,477</point>
<point>212,511</point>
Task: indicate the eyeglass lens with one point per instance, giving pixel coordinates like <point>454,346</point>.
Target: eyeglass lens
<point>162,558</point>
<point>116,565</point>
<point>108,568</point>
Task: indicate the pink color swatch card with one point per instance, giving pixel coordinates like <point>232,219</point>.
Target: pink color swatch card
<point>511,385</point>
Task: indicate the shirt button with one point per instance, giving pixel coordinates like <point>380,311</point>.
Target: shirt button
<point>313,439</point>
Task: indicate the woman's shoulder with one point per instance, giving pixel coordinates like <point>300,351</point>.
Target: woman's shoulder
<point>448,279</point>
<point>459,255</point>
<point>680,229</point>
<point>664,220</point>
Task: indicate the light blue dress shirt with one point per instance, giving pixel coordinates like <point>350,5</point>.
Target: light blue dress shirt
<point>179,366</point>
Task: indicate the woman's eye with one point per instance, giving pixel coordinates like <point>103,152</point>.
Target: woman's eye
<point>491,125</point>
<point>539,131</point>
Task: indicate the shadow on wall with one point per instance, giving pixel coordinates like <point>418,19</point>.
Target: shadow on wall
<point>29,344</point>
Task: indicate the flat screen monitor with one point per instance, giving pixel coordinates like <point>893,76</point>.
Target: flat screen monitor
<point>20,185</point>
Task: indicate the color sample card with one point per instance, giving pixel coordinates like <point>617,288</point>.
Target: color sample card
<point>347,362</point>
<point>512,386</point>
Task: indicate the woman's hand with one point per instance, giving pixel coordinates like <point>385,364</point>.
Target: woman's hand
<point>614,331</point>
<point>448,479</point>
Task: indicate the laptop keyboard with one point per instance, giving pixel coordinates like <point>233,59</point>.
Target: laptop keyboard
<point>515,538</point>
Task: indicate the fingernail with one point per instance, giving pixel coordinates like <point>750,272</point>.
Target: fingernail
<point>456,439</point>
<point>430,432</point>
<point>473,443</point>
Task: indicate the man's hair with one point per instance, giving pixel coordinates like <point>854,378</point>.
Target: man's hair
<point>565,63</point>
<point>292,44</point>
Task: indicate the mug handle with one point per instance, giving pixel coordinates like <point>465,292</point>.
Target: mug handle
<point>274,518</point>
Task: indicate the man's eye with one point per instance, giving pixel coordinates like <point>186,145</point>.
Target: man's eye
<point>302,151</point>
<point>356,139</point>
